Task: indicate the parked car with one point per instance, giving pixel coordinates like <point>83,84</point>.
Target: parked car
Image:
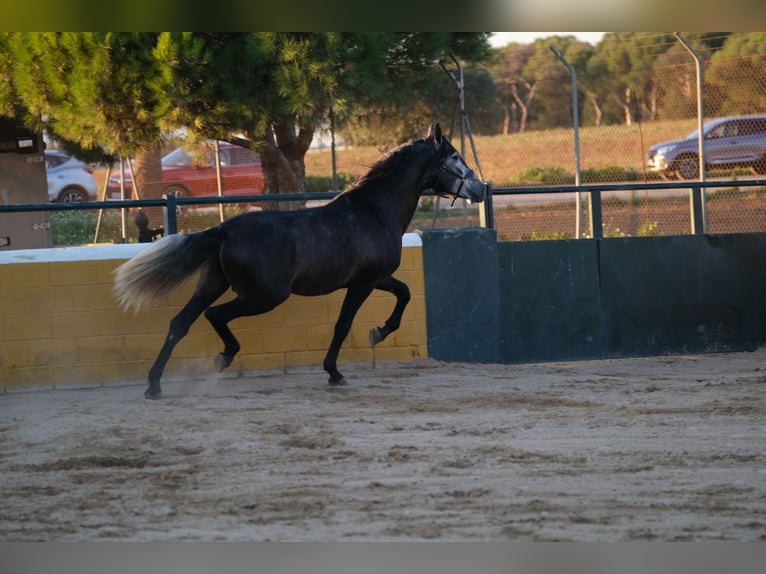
<point>191,171</point>
<point>69,179</point>
<point>735,141</point>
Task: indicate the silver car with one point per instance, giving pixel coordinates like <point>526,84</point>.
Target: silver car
<point>735,141</point>
<point>69,179</point>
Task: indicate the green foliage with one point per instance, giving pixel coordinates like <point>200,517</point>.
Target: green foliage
<point>544,175</point>
<point>119,92</point>
<point>78,227</point>
<point>559,176</point>
<point>553,235</point>
<point>72,227</point>
<point>650,228</point>
<point>89,88</point>
<point>319,184</point>
<point>609,174</point>
<point>609,231</point>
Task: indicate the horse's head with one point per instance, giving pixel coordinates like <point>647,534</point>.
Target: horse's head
<point>455,178</point>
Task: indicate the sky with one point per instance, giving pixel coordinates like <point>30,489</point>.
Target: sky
<point>499,39</point>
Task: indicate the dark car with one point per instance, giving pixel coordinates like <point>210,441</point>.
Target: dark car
<point>735,141</point>
<point>69,179</point>
<point>191,171</point>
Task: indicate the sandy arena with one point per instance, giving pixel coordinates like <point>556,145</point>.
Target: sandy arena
<point>661,448</point>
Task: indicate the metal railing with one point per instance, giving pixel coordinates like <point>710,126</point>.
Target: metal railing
<point>697,197</point>
<point>170,203</point>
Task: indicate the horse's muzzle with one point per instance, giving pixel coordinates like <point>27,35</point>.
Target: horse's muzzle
<point>473,189</point>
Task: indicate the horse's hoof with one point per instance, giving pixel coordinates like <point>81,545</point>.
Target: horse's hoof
<point>339,383</point>
<point>375,336</point>
<point>222,361</point>
<point>153,394</point>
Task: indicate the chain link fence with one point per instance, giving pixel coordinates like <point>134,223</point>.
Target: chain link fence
<point>621,117</point>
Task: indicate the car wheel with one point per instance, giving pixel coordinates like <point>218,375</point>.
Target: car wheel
<point>72,195</point>
<point>688,168</point>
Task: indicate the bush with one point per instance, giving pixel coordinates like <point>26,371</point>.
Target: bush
<point>609,174</point>
<point>79,227</point>
<point>554,235</point>
<point>72,227</point>
<point>545,175</point>
<point>319,184</point>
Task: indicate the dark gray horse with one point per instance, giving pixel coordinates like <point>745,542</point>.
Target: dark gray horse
<point>355,241</point>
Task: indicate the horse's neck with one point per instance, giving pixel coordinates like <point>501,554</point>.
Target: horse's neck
<point>394,196</point>
<point>403,195</point>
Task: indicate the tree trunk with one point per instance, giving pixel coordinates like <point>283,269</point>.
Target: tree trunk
<point>510,119</point>
<point>627,108</point>
<point>596,108</point>
<point>523,103</point>
<point>283,153</point>
<point>149,185</point>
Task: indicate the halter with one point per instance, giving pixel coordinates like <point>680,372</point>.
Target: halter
<point>462,178</point>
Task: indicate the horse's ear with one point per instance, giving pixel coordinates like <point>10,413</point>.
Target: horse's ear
<point>435,132</point>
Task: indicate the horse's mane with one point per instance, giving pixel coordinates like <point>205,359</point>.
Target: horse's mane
<point>385,165</point>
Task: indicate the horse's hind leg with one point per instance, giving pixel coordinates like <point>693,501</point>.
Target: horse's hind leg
<point>402,293</point>
<point>219,317</point>
<point>210,286</point>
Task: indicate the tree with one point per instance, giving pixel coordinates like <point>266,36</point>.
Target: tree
<point>628,60</point>
<point>88,88</point>
<point>92,91</point>
<point>276,88</point>
<point>515,91</point>
<point>553,103</point>
<point>122,91</point>
<point>738,71</point>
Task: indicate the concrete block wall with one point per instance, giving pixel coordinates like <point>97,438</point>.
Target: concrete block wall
<point>60,324</point>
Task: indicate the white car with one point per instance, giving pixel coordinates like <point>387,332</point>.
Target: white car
<point>69,179</point>
<point>735,141</point>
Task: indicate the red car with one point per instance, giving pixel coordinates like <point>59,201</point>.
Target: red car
<point>190,171</point>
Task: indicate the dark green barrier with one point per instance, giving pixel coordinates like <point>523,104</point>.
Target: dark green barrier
<point>550,304</point>
<point>702,293</point>
<point>462,294</point>
<point>580,299</point>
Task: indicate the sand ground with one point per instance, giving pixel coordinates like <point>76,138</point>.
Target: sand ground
<point>660,448</point>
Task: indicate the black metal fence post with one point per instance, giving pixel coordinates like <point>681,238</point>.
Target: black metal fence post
<point>697,209</point>
<point>596,218</point>
<point>489,217</point>
<point>169,214</point>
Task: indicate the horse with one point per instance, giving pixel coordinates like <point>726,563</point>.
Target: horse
<point>352,242</point>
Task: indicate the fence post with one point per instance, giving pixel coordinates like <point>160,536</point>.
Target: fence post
<point>169,214</point>
<point>576,125</point>
<point>596,219</point>
<point>697,209</point>
<point>488,208</point>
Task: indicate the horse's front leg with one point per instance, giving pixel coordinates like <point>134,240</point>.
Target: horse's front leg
<point>355,296</point>
<point>402,293</point>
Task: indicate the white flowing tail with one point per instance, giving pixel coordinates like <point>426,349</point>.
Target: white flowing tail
<point>159,269</point>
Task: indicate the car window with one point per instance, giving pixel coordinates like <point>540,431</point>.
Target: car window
<point>725,130</point>
<point>751,127</point>
<point>177,158</point>
<point>241,156</point>
<point>53,160</point>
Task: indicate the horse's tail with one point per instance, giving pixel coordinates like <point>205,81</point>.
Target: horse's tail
<point>160,268</point>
